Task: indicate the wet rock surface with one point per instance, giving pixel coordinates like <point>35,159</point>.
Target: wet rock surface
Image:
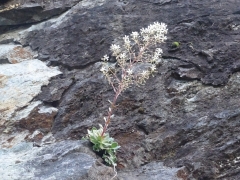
<point>184,124</point>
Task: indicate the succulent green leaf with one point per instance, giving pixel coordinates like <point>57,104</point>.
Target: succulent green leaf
<point>105,143</point>
<point>115,145</point>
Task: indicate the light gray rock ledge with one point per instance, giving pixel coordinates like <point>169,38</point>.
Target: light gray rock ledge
<point>61,161</point>
<point>25,162</point>
<point>20,83</point>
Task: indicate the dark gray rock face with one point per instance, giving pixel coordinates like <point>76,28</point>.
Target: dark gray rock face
<point>20,12</point>
<point>186,117</point>
<point>209,34</point>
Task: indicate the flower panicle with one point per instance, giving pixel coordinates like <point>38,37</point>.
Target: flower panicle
<point>135,50</point>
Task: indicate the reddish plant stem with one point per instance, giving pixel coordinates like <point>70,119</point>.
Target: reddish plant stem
<point>110,111</point>
<point>119,89</point>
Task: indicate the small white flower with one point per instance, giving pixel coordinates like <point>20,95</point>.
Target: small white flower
<point>153,68</point>
<point>126,41</point>
<point>122,56</point>
<point>143,31</point>
<point>126,38</point>
<point>105,58</point>
<point>115,49</point>
<point>135,35</point>
<point>146,38</point>
<point>103,69</point>
<point>129,71</point>
<point>157,37</point>
<point>159,50</point>
<point>144,73</point>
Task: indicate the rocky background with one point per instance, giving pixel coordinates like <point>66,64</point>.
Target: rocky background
<point>184,124</point>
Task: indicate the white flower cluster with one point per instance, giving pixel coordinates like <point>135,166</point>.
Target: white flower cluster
<point>115,49</point>
<point>154,32</point>
<point>136,49</point>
